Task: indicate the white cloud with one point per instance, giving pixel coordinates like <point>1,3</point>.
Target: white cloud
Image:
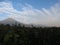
<point>29,14</point>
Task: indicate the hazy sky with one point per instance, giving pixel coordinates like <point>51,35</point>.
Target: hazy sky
<point>45,12</point>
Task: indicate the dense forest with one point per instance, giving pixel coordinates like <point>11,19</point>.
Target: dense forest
<point>21,35</point>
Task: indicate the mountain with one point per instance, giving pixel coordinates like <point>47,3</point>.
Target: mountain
<point>9,21</point>
<point>15,22</point>
<point>12,21</point>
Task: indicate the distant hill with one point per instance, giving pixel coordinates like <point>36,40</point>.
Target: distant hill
<point>15,22</point>
<point>9,21</point>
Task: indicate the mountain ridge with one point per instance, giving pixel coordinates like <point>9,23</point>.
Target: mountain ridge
<point>9,21</point>
<point>12,21</point>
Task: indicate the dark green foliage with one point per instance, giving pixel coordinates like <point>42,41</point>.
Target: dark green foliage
<point>21,35</point>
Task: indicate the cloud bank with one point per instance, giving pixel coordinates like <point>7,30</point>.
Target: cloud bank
<point>30,15</point>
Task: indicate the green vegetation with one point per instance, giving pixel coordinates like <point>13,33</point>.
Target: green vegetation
<point>21,35</point>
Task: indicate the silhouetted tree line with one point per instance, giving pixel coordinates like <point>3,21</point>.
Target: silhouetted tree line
<point>21,35</point>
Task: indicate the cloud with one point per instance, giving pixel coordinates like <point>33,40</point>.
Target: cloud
<point>30,15</point>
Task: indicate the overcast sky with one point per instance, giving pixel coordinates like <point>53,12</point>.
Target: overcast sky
<point>43,12</point>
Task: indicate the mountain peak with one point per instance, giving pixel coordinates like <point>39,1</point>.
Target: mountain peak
<point>9,21</point>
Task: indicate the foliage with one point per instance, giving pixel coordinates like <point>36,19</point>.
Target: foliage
<point>21,35</point>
